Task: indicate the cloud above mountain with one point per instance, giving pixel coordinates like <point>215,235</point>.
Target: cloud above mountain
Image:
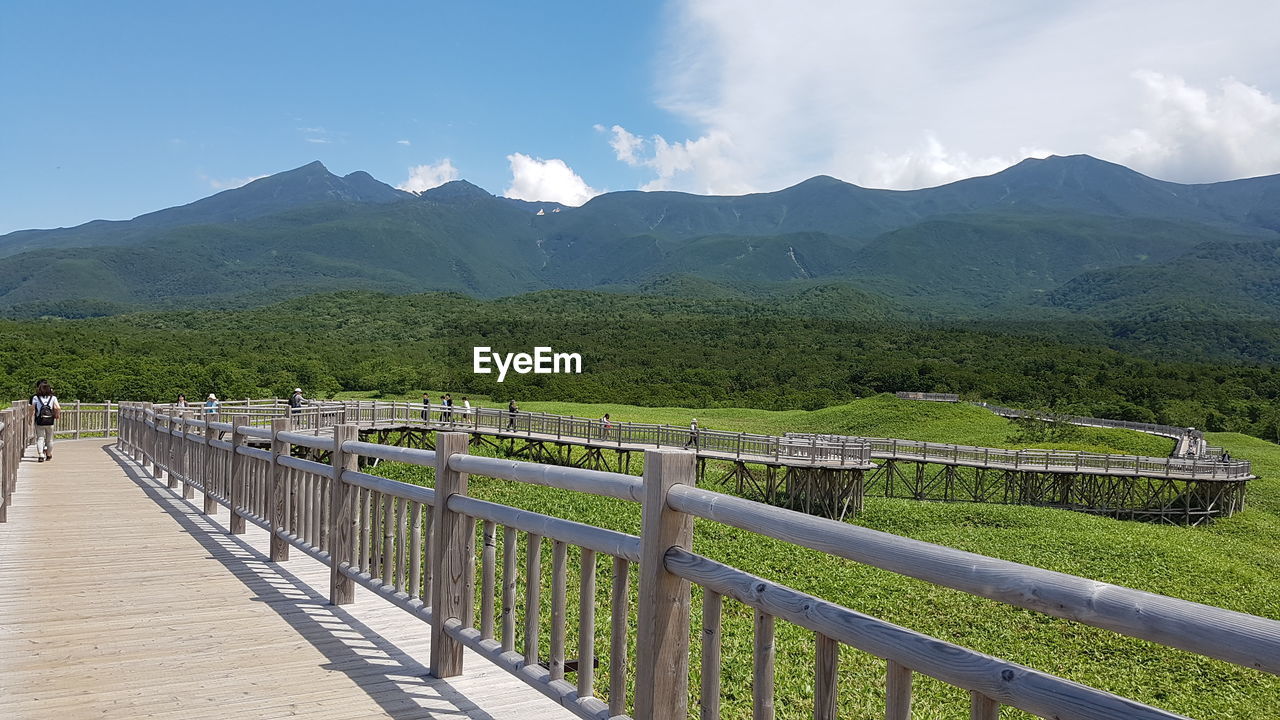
<point>425,177</point>
<point>551,180</point>
<point>911,93</point>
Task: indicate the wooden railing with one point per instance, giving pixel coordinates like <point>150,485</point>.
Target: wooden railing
<point>714,443</point>
<point>1189,441</point>
<point>835,450</point>
<point>415,547</point>
<point>16,432</point>
<point>1188,468</point>
<point>931,397</point>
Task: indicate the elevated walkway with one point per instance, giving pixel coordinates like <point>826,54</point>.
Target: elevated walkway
<point>118,599</point>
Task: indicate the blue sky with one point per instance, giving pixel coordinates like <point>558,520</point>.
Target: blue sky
<point>111,110</point>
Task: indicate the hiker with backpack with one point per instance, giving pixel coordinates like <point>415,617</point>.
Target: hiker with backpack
<point>45,407</point>
<point>296,401</point>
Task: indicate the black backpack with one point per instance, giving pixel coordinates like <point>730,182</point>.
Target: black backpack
<point>44,411</point>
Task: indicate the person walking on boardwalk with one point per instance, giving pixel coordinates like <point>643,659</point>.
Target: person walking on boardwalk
<point>466,408</point>
<point>182,401</point>
<point>211,404</point>
<point>296,401</point>
<point>693,435</point>
<point>426,407</point>
<point>605,426</point>
<point>45,407</point>
<point>512,409</point>
<point>447,401</point>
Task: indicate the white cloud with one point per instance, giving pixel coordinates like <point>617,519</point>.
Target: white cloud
<point>1191,134</point>
<point>908,93</point>
<point>403,142</point>
<point>625,145</point>
<point>230,183</point>
<point>425,177</point>
<point>930,164</point>
<point>546,180</point>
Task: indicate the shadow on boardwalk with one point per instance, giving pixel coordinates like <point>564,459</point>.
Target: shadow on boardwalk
<point>398,683</point>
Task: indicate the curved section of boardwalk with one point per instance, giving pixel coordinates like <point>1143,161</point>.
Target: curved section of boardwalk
<point>118,599</point>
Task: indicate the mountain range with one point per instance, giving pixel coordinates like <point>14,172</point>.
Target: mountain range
<point>1049,238</point>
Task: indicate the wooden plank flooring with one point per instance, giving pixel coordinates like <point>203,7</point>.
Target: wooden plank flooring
<point>120,600</point>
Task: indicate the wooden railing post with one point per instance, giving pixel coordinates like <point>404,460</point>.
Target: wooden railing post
<point>278,497</point>
<point>206,466</point>
<point>662,625</point>
<point>235,474</point>
<point>342,589</point>
<point>6,459</point>
<point>143,435</point>
<point>184,451</point>
<point>452,550</point>
<point>170,453</point>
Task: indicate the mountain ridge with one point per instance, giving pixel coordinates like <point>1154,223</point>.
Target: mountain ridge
<point>968,247</point>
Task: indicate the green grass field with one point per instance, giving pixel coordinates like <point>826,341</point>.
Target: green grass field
<point>1232,563</point>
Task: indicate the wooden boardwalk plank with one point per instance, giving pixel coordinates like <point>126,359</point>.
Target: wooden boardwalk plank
<point>118,599</point>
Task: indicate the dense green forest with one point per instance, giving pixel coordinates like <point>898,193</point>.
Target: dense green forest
<point>641,350</point>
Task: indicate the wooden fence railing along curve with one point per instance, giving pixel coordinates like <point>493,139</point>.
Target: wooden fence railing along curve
<point>416,548</point>
<point>827,475</point>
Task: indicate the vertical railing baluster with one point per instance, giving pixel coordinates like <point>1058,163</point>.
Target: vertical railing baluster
<point>388,537</point>
<point>982,707</point>
<point>709,692</point>
<point>402,537</point>
<point>897,692</point>
<point>366,531</point>
<point>825,673</point>
<point>487,572</point>
<point>508,588</point>
<point>619,610</point>
<point>762,667</point>
<point>532,597</point>
<point>558,555</point>
<point>586,622</point>
<point>415,550</point>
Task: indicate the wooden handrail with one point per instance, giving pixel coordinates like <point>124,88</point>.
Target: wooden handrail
<point>388,540</point>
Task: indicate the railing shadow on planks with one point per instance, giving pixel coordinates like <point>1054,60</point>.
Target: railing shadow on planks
<point>376,533</point>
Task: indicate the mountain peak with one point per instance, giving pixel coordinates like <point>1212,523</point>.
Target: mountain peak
<point>454,191</point>
<point>315,167</point>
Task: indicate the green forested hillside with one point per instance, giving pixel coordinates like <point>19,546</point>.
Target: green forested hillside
<point>639,350</point>
<point>1064,237</point>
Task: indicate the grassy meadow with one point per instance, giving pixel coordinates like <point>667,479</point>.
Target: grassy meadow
<point>1232,563</point>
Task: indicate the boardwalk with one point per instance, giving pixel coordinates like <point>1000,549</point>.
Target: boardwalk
<point>120,600</point>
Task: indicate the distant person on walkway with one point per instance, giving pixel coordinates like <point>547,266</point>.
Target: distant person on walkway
<point>296,401</point>
<point>605,426</point>
<point>426,407</point>
<point>693,435</point>
<point>447,401</point>
<point>45,407</point>
<point>1226,456</point>
<point>182,401</point>
<point>211,404</point>
<point>512,409</point>
<point>466,408</point>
